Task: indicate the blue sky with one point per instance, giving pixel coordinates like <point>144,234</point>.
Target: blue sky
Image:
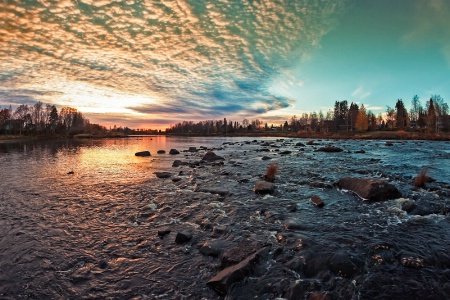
<point>154,63</point>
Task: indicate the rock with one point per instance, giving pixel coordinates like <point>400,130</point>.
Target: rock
<point>329,149</point>
<point>213,248</point>
<point>102,264</point>
<point>264,187</point>
<point>219,230</point>
<point>211,156</point>
<point>360,151</point>
<point>409,205</point>
<point>239,253</point>
<point>161,151</point>
<point>345,264</point>
<point>176,179</point>
<point>285,152</point>
<point>163,175</point>
<point>300,144</point>
<point>265,158</point>
<point>192,149</point>
<point>294,225</point>
<point>310,143</point>
<point>389,144</point>
<point>178,163</point>
<point>369,189</point>
<point>319,296</point>
<point>292,208</point>
<point>163,232</point>
<point>225,278</point>
<point>70,173</point>
<point>143,153</point>
<point>183,237</point>
<point>174,151</point>
<point>317,201</point>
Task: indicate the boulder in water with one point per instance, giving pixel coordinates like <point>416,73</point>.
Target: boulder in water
<point>329,149</point>
<point>211,156</point>
<point>161,151</point>
<point>174,151</point>
<point>264,187</point>
<point>317,201</point>
<point>163,175</point>
<point>369,189</point>
<point>143,153</point>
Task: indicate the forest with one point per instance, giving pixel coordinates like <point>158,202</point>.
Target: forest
<point>432,118</point>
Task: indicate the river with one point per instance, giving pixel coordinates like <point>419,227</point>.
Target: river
<point>82,219</point>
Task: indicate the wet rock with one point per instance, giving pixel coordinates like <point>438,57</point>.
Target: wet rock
<point>161,151</point>
<point>317,201</point>
<point>178,163</point>
<point>213,248</point>
<point>369,189</point>
<point>176,179</point>
<point>224,279</point>
<point>409,205</point>
<point>264,187</point>
<point>235,255</point>
<point>389,144</point>
<point>292,208</point>
<point>294,225</point>
<point>329,149</point>
<point>345,264</point>
<point>192,149</point>
<point>174,151</point>
<point>310,143</point>
<point>183,237</point>
<point>102,264</point>
<point>219,230</point>
<point>163,232</point>
<point>163,175</point>
<point>300,288</point>
<point>285,152</point>
<point>300,144</point>
<point>206,224</point>
<point>211,156</point>
<point>70,173</point>
<point>265,158</point>
<point>143,153</point>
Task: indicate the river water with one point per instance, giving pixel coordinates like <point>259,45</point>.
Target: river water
<point>80,219</point>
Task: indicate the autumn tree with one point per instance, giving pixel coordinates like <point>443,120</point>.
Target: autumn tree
<point>362,122</point>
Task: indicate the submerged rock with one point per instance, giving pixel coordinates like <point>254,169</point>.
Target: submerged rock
<point>174,151</point>
<point>213,248</point>
<point>264,187</point>
<point>370,189</point>
<point>178,163</point>
<point>317,201</point>
<point>143,153</point>
<point>211,156</point>
<point>329,149</point>
<point>163,175</point>
<point>227,277</point>
<point>161,151</point>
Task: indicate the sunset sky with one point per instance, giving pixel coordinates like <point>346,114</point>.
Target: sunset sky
<point>153,63</point>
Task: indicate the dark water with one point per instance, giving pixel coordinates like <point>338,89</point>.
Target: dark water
<point>94,233</point>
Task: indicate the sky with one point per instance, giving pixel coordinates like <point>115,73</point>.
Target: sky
<point>150,64</point>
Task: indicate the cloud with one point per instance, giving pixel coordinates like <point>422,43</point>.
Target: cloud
<point>193,57</point>
<point>360,93</point>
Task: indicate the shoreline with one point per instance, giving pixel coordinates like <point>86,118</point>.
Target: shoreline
<point>373,135</point>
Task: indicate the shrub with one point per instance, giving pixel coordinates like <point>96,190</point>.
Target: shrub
<point>271,172</point>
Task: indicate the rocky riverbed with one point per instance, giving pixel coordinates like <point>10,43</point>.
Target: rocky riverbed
<point>196,229</point>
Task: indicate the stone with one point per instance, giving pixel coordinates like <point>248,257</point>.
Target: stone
<point>300,144</point>
<point>286,152</point>
<point>211,156</point>
<point>102,264</point>
<point>213,248</point>
<point>264,187</point>
<point>178,163</point>
<point>143,153</point>
<point>310,143</point>
<point>227,277</point>
<point>192,149</point>
<point>183,237</point>
<point>163,232</point>
<point>174,151</point>
<point>294,225</point>
<point>163,175</point>
<point>317,201</point>
<point>389,144</point>
<point>329,149</point>
<point>409,206</point>
<point>265,158</point>
<point>369,189</point>
<point>176,179</point>
<point>235,255</point>
<point>161,151</point>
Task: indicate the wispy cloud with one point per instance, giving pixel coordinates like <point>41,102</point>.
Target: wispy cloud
<point>360,93</point>
<point>192,57</point>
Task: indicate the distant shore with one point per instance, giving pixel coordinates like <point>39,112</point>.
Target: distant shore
<point>369,135</point>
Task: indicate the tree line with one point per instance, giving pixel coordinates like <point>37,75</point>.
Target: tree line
<point>432,117</point>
